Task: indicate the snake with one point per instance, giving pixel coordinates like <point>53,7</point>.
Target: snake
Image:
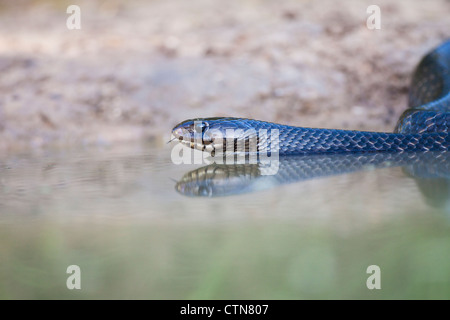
<point>431,171</point>
<point>423,126</point>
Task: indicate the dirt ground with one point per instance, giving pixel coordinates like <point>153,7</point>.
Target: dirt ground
<point>137,68</point>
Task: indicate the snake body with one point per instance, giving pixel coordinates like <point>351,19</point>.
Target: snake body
<point>424,126</point>
<point>217,180</point>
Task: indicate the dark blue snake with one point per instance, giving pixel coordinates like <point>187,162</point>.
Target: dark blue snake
<point>424,126</point>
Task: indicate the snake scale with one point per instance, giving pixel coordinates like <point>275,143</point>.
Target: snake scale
<point>424,126</point>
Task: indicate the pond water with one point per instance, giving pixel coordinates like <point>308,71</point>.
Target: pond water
<point>140,226</point>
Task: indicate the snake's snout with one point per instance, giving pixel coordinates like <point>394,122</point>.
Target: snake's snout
<point>190,134</point>
<point>178,133</point>
<point>194,134</point>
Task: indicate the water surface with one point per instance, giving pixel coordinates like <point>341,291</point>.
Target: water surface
<point>139,227</point>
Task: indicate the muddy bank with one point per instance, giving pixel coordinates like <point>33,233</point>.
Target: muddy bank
<point>136,69</point>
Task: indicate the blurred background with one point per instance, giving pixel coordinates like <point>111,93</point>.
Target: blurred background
<point>85,174</point>
<point>137,68</point>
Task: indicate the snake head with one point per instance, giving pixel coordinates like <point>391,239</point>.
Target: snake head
<point>194,189</point>
<point>216,180</point>
<point>193,133</point>
<point>209,134</point>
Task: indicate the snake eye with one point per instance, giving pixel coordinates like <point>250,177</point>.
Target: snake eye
<point>200,126</point>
